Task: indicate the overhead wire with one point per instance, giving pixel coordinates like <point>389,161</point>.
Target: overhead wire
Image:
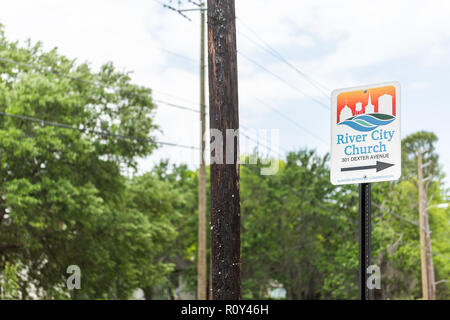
<point>322,91</point>
<point>92,131</point>
<point>170,104</point>
<point>41,69</point>
<point>173,9</point>
<point>268,48</point>
<point>259,143</point>
<point>289,119</point>
<point>320,103</point>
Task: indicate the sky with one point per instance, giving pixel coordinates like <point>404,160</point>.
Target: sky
<point>331,43</point>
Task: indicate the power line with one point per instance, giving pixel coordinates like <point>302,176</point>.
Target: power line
<point>60,74</point>
<point>198,4</point>
<point>287,118</point>
<point>297,89</point>
<point>173,9</point>
<point>320,89</point>
<point>96,132</point>
<point>290,189</point>
<point>176,54</point>
<point>40,69</point>
<point>259,143</point>
<point>169,104</point>
<point>105,133</point>
<point>173,105</point>
<point>173,96</point>
<point>278,55</point>
<point>284,81</point>
<point>293,191</point>
<point>178,106</point>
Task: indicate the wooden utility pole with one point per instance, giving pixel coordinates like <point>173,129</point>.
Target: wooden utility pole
<point>430,267</point>
<point>201,259</point>
<point>201,266</point>
<point>428,279</point>
<point>224,115</point>
<point>422,226</point>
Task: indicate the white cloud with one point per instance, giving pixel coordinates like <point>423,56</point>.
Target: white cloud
<point>340,36</point>
<point>362,32</point>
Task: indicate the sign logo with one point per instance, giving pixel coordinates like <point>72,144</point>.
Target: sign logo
<point>368,109</point>
<point>365,134</point>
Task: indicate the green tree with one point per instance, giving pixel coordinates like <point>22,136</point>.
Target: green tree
<point>182,252</point>
<point>302,232</point>
<point>63,200</point>
<point>9,283</point>
<point>396,223</point>
<point>292,230</point>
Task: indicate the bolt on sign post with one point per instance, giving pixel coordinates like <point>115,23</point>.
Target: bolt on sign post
<point>365,148</point>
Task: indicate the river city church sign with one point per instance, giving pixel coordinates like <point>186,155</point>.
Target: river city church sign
<point>365,134</point>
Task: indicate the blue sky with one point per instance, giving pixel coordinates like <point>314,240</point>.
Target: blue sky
<point>338,43</point>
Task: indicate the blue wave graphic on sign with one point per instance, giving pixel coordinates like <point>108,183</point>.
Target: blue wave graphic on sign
<point>368,122</point>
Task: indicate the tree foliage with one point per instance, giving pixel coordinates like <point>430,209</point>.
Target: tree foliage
<point>63,198</point>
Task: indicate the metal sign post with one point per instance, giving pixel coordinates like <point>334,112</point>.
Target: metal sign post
<point>365,148</point>
<point>364,239</point>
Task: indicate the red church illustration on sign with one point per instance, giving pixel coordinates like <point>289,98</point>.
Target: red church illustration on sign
<point>379,100</point>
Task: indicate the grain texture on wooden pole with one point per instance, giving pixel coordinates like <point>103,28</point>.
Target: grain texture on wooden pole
<point>425,244</point>
<point>422,224</point>
<point>201,263</point>
<point>224,115</point>
<point>429,254</point>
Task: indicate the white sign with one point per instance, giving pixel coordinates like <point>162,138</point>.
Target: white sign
<point>365,134</point>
